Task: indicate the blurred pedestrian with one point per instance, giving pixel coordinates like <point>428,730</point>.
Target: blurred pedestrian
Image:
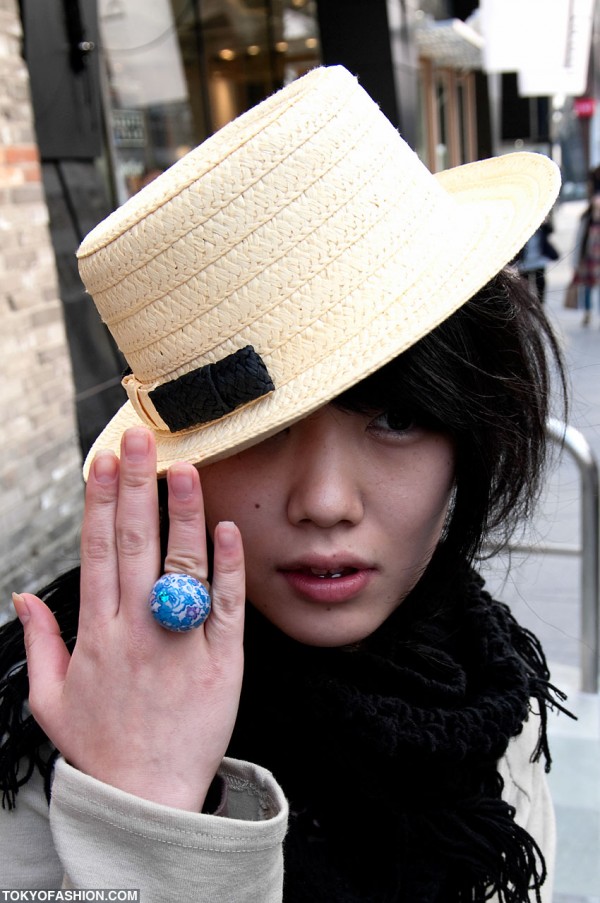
<point>587,256</point>
<point>535,256</point>
<point>593,184</point>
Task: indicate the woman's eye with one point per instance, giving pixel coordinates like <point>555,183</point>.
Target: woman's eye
<point>393,421</point>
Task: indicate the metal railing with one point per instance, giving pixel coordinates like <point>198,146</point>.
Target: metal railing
<point>577,445</point>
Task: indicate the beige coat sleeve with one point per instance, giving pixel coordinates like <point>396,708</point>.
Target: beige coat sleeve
<point>100,837</point>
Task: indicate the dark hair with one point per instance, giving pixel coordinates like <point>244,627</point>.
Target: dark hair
<point>483,377</point>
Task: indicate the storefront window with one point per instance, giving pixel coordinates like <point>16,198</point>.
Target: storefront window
<point>178,70</point>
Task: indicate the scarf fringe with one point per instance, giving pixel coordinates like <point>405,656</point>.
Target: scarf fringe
<point>549,697</point>
<point>23,741</point>
<point>484,842</point>
<point>23,744</point>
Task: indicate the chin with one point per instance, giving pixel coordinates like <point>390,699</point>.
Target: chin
<point>326,635</point>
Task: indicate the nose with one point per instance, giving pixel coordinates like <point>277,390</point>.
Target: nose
<point>325,487</point>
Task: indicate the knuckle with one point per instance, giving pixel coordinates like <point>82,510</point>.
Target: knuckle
<point>186,514</point>
<point>132,540</point>
<point>231,586</point>
<point>231,618</point>
<point>100,495</point>
<point>135,480</point>
<point>30,643</point>
<point>95,547</point>
<point>229,609</point>
<point>92,644</point>
<point>216,675</point>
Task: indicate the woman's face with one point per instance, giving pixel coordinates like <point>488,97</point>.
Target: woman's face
<point>339,514</point>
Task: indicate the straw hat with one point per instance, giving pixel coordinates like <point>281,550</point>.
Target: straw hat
<point>293,253</point>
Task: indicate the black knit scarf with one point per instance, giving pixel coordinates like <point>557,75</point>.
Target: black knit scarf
<point>387,751</point>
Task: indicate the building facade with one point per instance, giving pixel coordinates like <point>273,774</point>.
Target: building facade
<point>40,469</point>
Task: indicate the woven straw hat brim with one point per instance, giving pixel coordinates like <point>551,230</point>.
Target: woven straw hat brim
<point>495,206</point>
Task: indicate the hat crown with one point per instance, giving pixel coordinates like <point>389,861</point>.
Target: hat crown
<point>243,225</point>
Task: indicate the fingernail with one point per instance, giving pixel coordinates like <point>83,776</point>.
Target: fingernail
<point>227,534</point>
<point>136,444</point>
<point>21,607</point>
<point>105,467</point>
<point>181,482</point>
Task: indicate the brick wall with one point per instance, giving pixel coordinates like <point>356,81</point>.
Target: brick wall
<point>40,466</point>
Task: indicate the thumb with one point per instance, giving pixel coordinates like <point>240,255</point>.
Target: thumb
<point>47,655</point>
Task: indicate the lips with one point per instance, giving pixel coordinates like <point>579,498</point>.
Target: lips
<point>327,582</point>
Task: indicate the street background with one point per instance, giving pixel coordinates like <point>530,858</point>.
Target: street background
<point>543,589</point>
<point>544,592</point>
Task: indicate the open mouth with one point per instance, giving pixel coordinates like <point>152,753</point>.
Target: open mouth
<point>328,585</point>
<point>333,574</point>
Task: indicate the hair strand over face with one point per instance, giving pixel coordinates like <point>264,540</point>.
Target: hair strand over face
<point>484,377</point>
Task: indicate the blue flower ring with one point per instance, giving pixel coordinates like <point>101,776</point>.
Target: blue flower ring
<point>179,602</point>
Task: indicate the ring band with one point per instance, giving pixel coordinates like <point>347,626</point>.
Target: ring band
<point>179,602</point>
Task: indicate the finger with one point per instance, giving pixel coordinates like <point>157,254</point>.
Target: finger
<point>99,565</point>
<point>47,658</point>
<point>186,550</point>
<point>136,525</point>
<point>225,627</point>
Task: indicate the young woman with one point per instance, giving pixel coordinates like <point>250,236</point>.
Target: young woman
<point>343,393</point>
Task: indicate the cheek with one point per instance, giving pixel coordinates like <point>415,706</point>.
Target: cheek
<point>229,495</point>
<point>424,495</point>
<point>222,499</point>
<point>440,488</point>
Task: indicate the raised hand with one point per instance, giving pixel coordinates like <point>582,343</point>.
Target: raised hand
<point>136,706</point>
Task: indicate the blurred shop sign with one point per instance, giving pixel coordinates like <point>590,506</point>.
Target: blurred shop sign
<point>129,129</point>
<point>584,107</point>
<point>546,42</point>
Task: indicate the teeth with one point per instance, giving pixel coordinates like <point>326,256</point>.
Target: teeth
<point>320,573</point>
